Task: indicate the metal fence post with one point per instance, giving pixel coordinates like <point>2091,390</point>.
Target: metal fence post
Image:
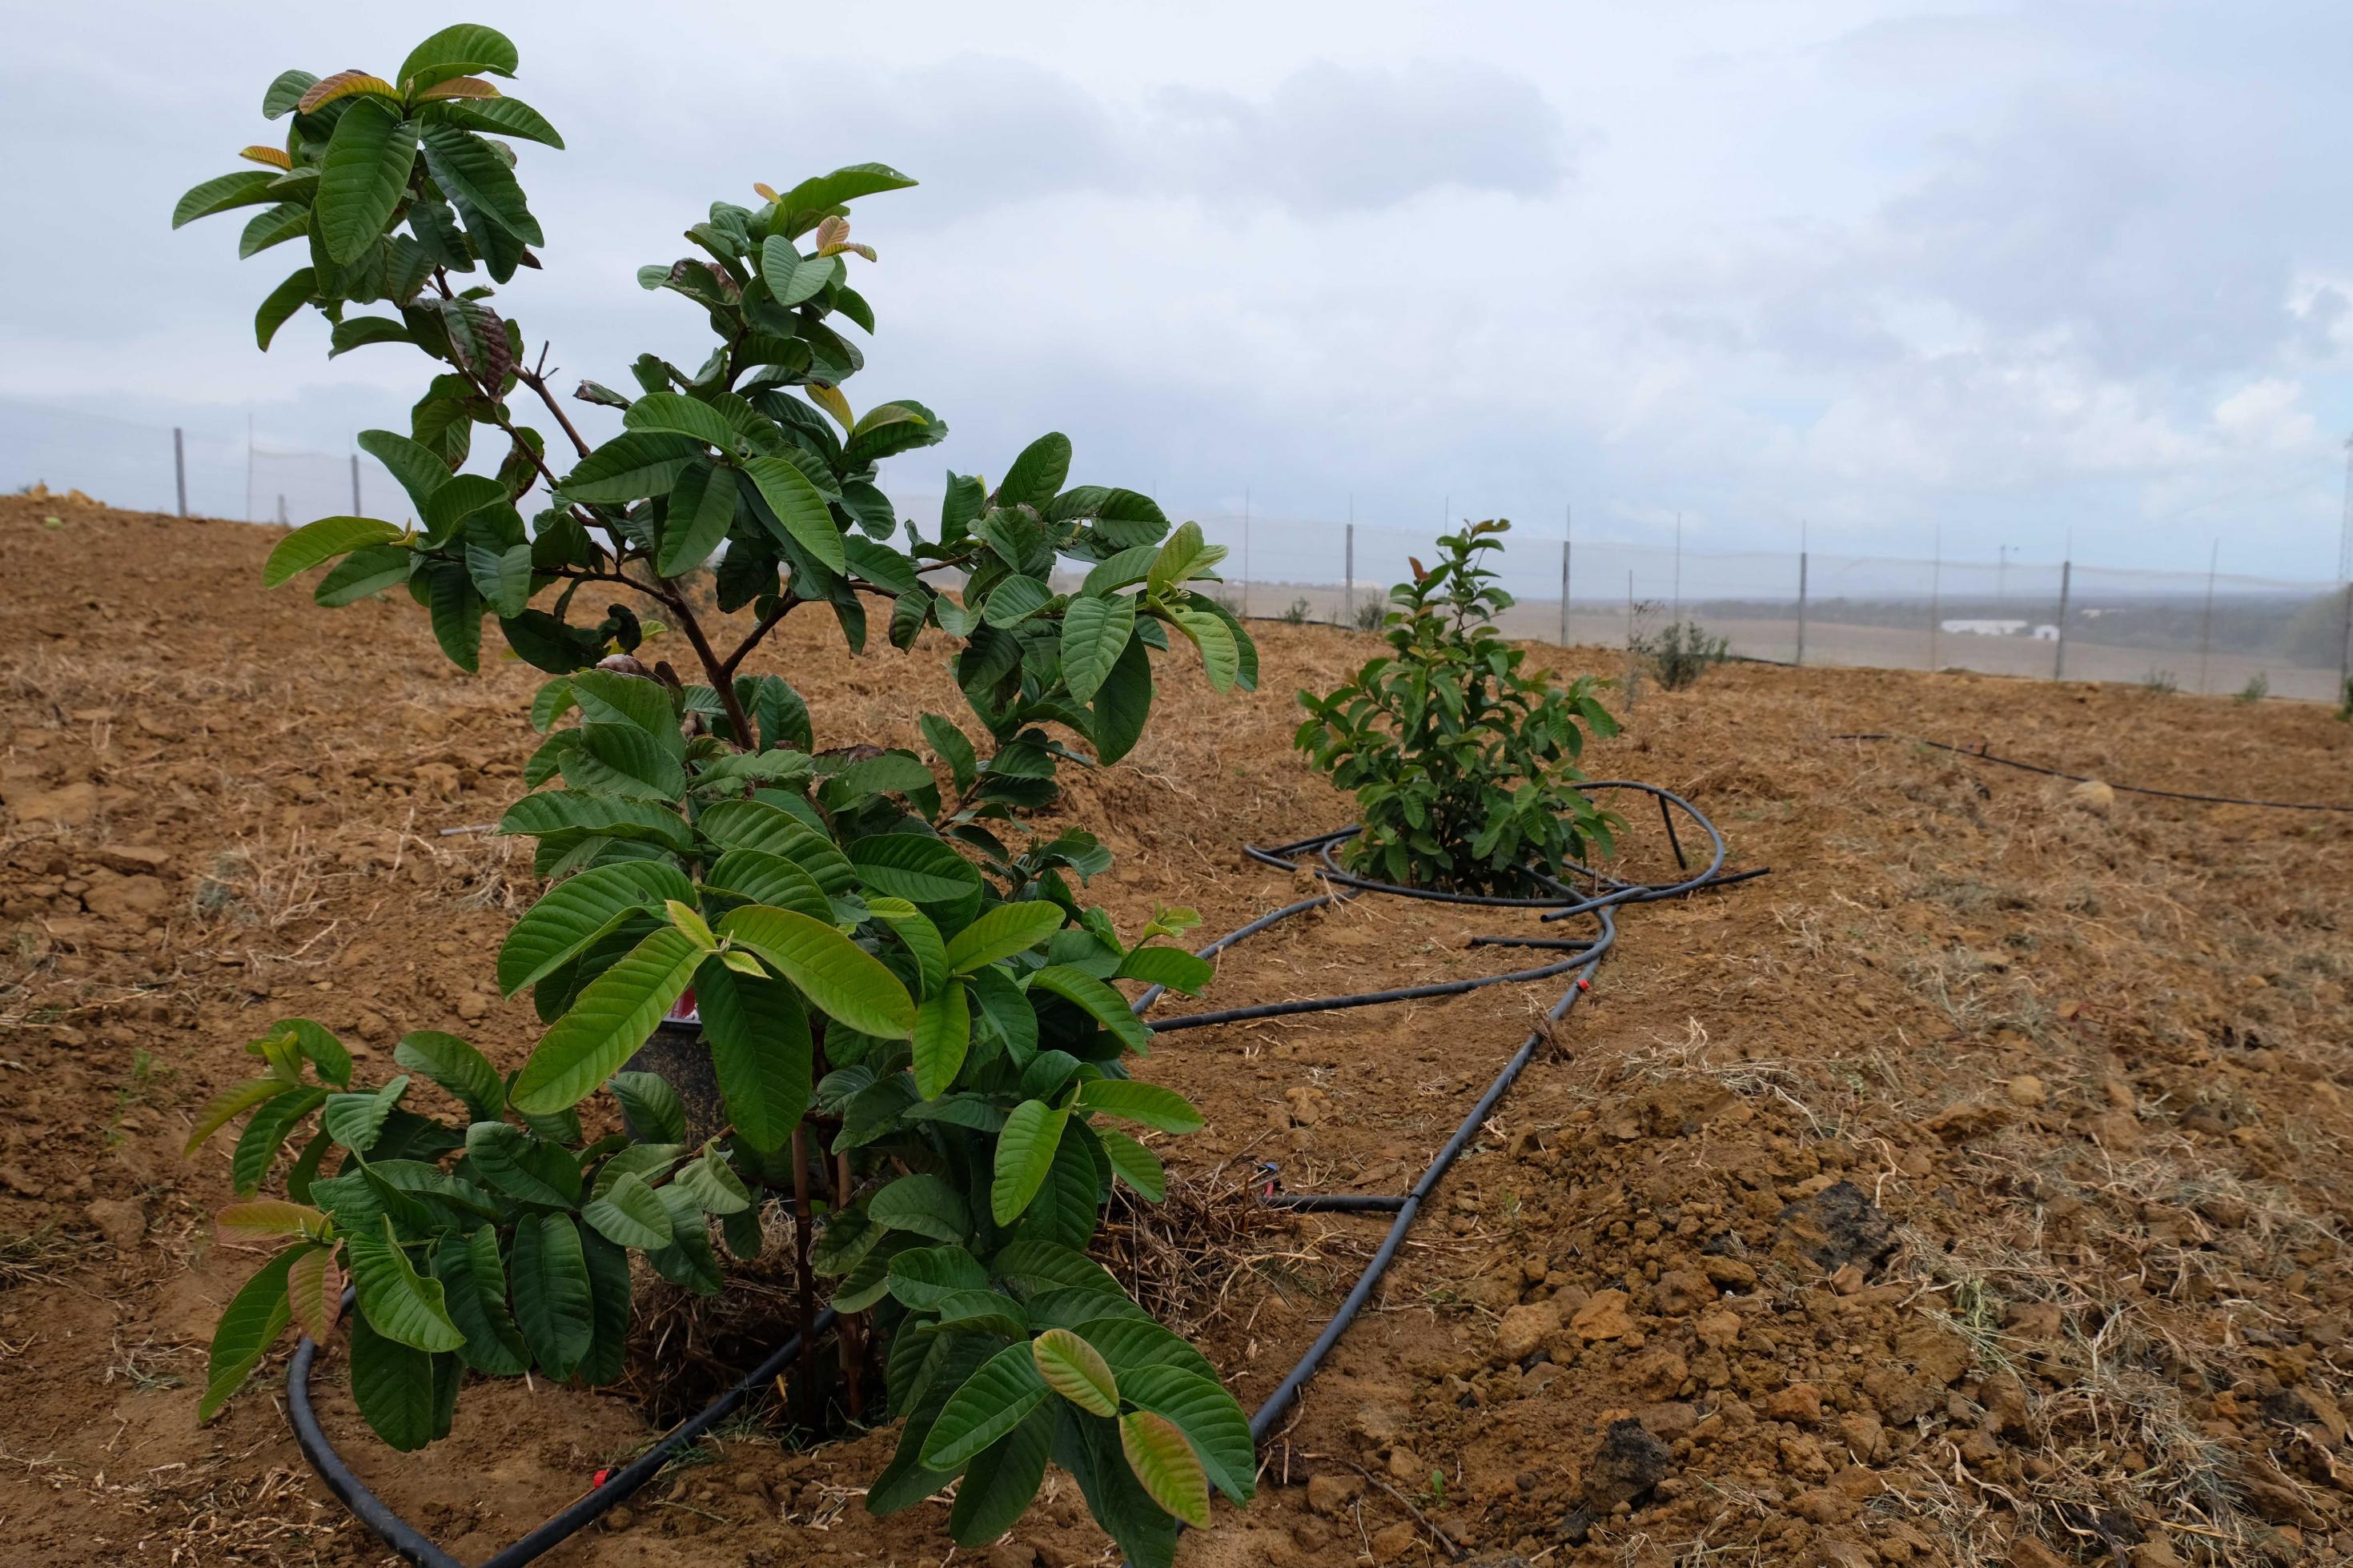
<point>1246,544</point>
<point>2344,654</point>
<point>180,467</point>
<point>1564,593</point>
<point>1936,597</point>
<point>2206,622</point>
<point>2058,654</point>
<point>357,509</point>
<point>1801,609</point>
<point>1348,581</point>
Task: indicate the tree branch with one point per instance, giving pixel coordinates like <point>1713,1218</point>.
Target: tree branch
<point>786,603</point>
<point>719,672</point>
<point>538,383</point>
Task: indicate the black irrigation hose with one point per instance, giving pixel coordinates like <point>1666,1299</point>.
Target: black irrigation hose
<point>1597,907</point>
<point>418,1548</point>
<point>1980,755</point>
<point>414,1545</point>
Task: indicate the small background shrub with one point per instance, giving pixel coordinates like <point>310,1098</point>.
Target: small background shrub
<point>1463,766</point>
<point>1680,652</point>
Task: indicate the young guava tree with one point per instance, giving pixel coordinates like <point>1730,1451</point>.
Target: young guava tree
<point>912,1017</point>
<point>1464,766</point>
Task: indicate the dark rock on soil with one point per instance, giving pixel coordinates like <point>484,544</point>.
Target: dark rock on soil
<point>1629,1462</point>
<point>1838,1225</point>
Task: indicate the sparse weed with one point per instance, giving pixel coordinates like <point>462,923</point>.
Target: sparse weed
<point>1680,652</point>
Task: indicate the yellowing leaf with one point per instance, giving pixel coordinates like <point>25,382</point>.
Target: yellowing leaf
<point>1164,1462</point>
<point>459,87</point>
<point>344,84</point>
<point>274,1216</point>
<point>1076,1371</point>
<point>685,919</point>
<point>830,398</point>
<point>768,192</point>
<point>274,156</point>
<point>314,1292</point>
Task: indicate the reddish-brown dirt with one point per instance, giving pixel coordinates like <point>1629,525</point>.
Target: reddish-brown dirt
<point>1970,1190</point>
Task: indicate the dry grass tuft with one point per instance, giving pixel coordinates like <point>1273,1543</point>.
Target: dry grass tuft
<point>1187,1258</point>
<point>42,1257</point>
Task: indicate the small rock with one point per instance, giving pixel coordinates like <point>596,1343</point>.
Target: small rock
<point>1659,1373</point>
<point>473,1006</point>
<point>1308,1105</point>
<point>1728,1273</point>
<point>2280,1505</point>
<point>131,859</point>
<point>2307,1412</point>
<point>1668,1419</point>
<point>1720,1329</point>
<point>15,1180</point>
<point>1629,1462</point>
<point>436,781</point>
<point>2094,796</point>
<point>121,1221</point>
<point>2155,1553</point>
<point>1863,1434</point>
<point>1393,1542</point>
<point>1405,1464</point>
<point>2028,1553</point>
<point>2027,1091</point>
<point>2004,1398</point>
<point>1603,1318</point>
<point>130,899</point>
<point>2116,1131</point>
<point>1824,1505</point>
<point>2033,1320</point>
<point>1838,1225</point>
<point>1524,1330</point>
<point>1331,1494</point>
<point>1959,1123</point>
<point>1800,1402</point>
<point>1681,1291</point>
<point>67,806</point>
<point>619,1516</point>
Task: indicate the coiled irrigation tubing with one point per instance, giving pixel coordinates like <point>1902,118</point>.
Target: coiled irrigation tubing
<point>1597,903</point>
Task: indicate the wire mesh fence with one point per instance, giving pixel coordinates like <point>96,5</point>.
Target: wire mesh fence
<point>2215,633</point>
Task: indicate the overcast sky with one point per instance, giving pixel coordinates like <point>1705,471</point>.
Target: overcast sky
<point>2015,271</point>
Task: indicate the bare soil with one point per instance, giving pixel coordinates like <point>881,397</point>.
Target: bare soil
<point>1972,1189</point>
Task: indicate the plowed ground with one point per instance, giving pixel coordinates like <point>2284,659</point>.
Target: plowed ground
<point>1971,1189</point>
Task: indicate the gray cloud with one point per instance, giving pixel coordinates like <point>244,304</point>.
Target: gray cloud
<point>2040,269</point>
<point>1332,139</point>
<point>987,131</point>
